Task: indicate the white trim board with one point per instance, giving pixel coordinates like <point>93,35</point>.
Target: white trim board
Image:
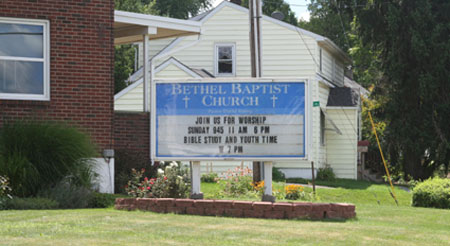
<point>161,67</point>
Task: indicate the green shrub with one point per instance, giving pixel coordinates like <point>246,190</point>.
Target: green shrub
<point>102,200</point>
<point>68,195</point>
<point>39,155</point>
<point>432,193</point>
<point>209,177</point>
<point>326,174</point>
<point>18,203</point>
<point>278,175</point>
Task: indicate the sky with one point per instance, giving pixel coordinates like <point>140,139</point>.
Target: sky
<point>298,6</point>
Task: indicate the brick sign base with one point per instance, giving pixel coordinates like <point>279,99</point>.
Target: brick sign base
<point>247,209</point>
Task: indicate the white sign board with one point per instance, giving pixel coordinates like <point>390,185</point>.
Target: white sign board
<point>234,120</point>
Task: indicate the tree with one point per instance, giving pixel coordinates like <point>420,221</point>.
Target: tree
<point>412,44</point>
<point>180,9</point>
<point>271,6</point>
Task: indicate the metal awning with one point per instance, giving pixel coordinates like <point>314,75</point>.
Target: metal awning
<point>130,27</point>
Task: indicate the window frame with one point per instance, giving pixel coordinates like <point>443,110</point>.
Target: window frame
<point>216,59</point>
<point>45,96</point>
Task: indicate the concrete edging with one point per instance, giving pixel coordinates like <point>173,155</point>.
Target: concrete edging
<point>241,209</point>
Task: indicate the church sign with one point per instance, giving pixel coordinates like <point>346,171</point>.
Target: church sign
<point>229,120</point>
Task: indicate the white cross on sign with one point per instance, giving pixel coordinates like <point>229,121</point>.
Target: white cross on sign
<point>274,98</point>
<point>186,99</point>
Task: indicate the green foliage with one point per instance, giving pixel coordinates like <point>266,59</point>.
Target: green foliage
<point>326,174</point>
<point>432,193</point>
<point>101,200</point>
<point>209,177</point>
<point>172,182</point>
<point>5,190</point>
<point>411,43</point>
<point>39,155</point>
<point>124,57</point>
<point>237,182</point>
<point>278,175</point>
<point>35,203</point>
<point>180,9</point>
<point>271,6</point>
<point>68,195</point>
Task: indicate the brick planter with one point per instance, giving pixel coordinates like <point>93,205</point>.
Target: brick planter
<point>277,210</point>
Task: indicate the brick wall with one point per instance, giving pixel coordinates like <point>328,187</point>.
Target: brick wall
<point>246,209</point>
<point>132,132</point>
<point>81,65</point>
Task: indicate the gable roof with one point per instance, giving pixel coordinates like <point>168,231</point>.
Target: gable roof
<point>323,41</point>
<point>195,73</point>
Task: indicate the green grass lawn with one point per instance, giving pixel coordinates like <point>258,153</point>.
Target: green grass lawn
<point>379,222</point>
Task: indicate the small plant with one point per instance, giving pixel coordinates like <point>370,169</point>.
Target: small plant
<point>237,182</point>
<point>432,193</point>
<point>293,191</point>
<point>18,203</point>
<point>278,175</point>
<point>209,177</point>
<point>172,182</point>
<point>68,195</point>
<point>102,200</point>
<point>326,174</point>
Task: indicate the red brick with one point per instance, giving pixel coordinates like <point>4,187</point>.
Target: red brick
<point>214,211</point>
<point>302,208</point>
<point>144,203</point>
<point>157,209</point>
<point>223,204</point>
<point>204,203</point>
<point>274,214</point>
<point>184,202</point>
<point>233,212</point>
<point>195,211</point>
<point>165,202</point>
<point>254,213</point>
<point>322,207</point>
<point>262,206</point>
<point>242,205</point>
<point>316,215</point>
<point>81,66</point>
<point>283,207</point>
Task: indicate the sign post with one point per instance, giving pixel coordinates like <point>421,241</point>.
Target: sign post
<point>255,121</point>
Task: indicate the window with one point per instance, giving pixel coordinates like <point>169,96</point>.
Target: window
<point>225,60</point>
<point>24,59</point>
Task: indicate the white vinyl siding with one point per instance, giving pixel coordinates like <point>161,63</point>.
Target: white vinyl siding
<point>155,46</point>
<point>342,149</point>
<point>133,100</point>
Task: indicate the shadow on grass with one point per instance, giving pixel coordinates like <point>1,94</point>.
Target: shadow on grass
<point>338,183</point>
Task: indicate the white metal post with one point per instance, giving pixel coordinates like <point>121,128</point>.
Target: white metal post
<point>146,73</point>
<point>195,181</point>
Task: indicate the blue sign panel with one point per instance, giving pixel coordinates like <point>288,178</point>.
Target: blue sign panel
<point>237,120</point>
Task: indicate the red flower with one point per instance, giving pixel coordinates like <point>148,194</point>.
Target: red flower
<point>165,178</point>
<point>151,182</point>
<point>145,179</point>
<point>148,187</point>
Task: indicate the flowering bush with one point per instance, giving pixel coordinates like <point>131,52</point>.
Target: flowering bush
<point>296,192</point>
<point>5,190</point>
<point>237,182</point>
<point>171,182</point>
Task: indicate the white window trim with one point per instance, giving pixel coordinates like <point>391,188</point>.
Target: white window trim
<point>46,60</point>
<point>216,59</point>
